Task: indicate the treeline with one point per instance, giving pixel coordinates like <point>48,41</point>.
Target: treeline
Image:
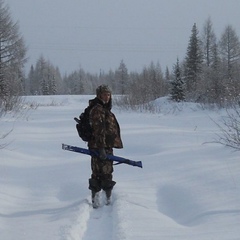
<point>209,72</point>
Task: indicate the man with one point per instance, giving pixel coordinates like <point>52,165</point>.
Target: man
<point>105,137</point>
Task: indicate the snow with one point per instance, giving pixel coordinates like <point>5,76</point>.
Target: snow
<point>187,189</point>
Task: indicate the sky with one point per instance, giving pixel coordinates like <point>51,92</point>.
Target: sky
<point>96,35</point>
<point>188,188</point>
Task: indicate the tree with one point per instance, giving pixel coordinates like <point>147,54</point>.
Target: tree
<point>167,75</point>
<point>214,85</point>
<point>44,78</point>
<point>193,64</point>
<point>208,43</point>
<point>230,50</point>
<point>52,85</point>
<point>155,81</point>
<point>12,55</point>
<point>210,88</point>
<point>177,85</point>
<point>41,77</point>
<point>230,129</point>
<point>80,82</point>
<point>122,77</point>
<point>229,46</point>
<point>111,81</point>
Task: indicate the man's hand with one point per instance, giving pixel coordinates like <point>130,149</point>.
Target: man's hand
<point>102,154</point>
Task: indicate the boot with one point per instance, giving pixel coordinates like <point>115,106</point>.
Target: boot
<point>95,199</point>
<point>95,187</point>
<point>108,196</point>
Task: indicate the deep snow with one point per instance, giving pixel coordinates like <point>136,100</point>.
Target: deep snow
<point>188,187</point>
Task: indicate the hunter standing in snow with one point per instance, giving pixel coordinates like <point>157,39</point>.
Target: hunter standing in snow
<point>105,137</point>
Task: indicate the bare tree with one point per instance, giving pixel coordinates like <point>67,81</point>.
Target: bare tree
<point>211,88</point>
<point>230,129</point>
<point>229,45</point>
<point>208,43</point>
<point>230,49</point>
<point>12,57</point>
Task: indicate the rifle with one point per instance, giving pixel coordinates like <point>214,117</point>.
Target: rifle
<point>113,158</point>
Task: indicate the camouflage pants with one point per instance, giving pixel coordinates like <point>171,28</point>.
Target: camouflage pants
<point>101,177</point>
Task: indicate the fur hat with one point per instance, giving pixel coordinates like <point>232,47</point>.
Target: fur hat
<point>101,89</point>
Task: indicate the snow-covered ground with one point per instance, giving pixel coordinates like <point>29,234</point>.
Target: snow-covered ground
<point>187,189</point>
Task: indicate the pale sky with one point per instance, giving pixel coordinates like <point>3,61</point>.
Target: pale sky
<point>98,34</point>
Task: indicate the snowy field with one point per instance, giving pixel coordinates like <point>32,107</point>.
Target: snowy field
<point>188,188</point>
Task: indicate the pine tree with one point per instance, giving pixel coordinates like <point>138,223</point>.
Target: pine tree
<point>167,74</point>
<point>41,75</point>
<point>193,64</point>
<point>177,85</point>
<point>122,77</point>
<point>31,81</point>
<point>44,78</point>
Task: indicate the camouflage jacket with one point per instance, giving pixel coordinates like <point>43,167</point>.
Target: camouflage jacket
<point>105,127</point>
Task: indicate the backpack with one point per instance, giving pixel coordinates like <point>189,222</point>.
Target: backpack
<point>83,125</point>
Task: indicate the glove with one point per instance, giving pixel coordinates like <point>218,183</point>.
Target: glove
<point>102,154</point>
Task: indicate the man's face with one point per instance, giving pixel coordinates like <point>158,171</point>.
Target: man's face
<point>105,96</point>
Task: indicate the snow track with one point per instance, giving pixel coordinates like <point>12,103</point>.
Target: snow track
<point>92,223</point>
<point>101,223</point>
